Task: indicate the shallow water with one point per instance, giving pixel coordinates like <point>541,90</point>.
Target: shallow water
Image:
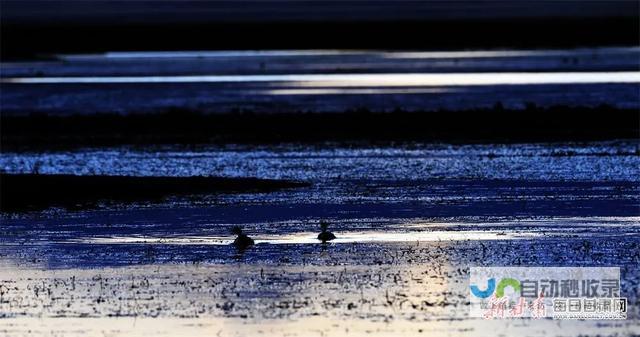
<point>410,220</point>
<point>369,194</point>
<point>366,288</point>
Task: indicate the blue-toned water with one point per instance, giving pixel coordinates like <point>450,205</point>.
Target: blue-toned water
<point>410,219</point>
<point>321,80</point>
<point>373,193</point>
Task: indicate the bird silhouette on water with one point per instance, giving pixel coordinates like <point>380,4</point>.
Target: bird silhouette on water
<point>242,241</point>
<point>325,235</point>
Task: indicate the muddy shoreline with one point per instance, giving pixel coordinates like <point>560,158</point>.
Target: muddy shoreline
<point>22,192</point>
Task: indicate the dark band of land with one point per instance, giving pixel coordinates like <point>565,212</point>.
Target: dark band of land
<point>495,125</point>
<point>22,192</point>
<point>32,28</point>
<point>36,41</point>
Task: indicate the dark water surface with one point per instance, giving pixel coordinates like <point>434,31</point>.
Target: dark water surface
<point>527,190</point>
<point>410,221</point>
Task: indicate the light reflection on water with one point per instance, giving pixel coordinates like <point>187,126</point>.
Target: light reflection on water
<point>360,80</point>
<point>353,91</point>
<point>310,238</point>
<point>411,231</point>
<point>273,80</point>
<point>593,163</point>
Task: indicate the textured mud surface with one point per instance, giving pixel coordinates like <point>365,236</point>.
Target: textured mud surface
<point>410,221</point>
<point>401,286</point>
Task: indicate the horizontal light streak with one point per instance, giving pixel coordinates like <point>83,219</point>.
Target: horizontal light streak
<point>457,54</point>
<point>352,91</point>
<point>360,80</point>
<point>310,238</point>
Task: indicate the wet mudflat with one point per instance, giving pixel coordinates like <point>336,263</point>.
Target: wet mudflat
<point>145,157</point>
<point>34,191</point>
<point>410,220</point>
<point>353,289</point>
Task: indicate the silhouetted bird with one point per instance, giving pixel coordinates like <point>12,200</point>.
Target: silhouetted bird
<point>242,241</point>
<point>325,235</point>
